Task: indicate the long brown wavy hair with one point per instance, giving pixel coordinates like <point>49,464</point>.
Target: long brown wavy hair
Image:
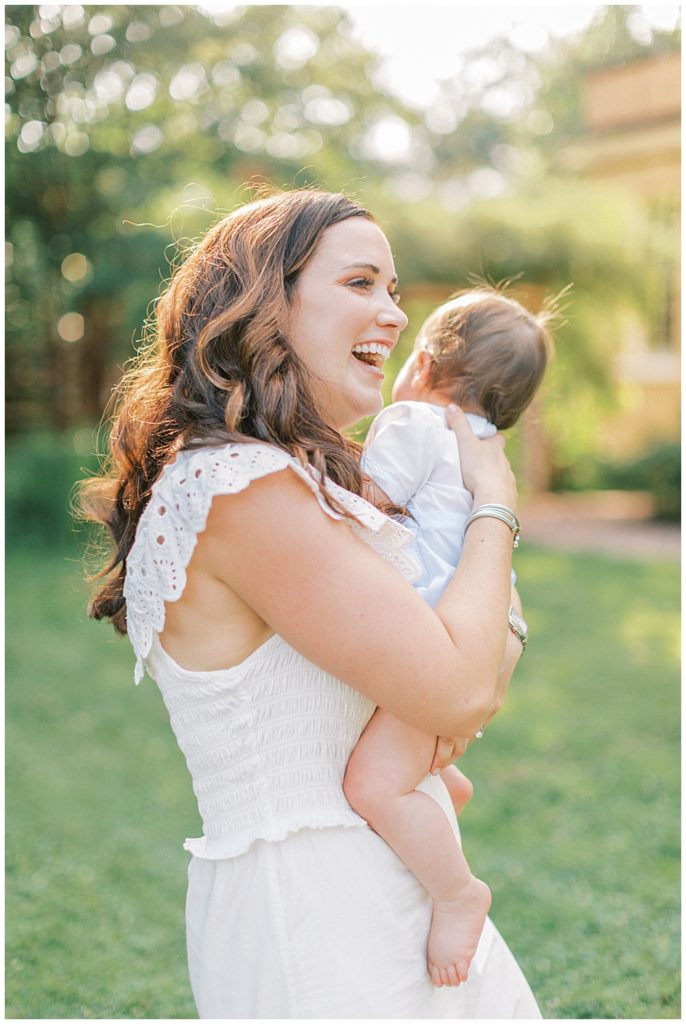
<point>217,368</point>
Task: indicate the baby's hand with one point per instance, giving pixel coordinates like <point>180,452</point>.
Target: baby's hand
<point>448,749</point>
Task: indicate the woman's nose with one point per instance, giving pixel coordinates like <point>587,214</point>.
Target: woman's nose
<point>390,313</point>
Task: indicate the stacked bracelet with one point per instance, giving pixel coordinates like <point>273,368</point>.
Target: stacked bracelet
<point>518,626</point>
<point>501,512</point>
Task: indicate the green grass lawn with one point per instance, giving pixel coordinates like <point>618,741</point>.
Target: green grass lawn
<point>574,822</point>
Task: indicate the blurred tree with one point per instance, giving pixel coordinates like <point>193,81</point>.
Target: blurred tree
<point>501,118</point>
<point>118,115</point>
<point>619,34</point>
<point>495,135</point>
<point>131,127</point>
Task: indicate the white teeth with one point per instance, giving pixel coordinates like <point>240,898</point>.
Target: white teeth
<point>374,347</point>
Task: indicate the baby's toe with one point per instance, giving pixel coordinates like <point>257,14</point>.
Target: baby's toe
<point>454,975</point>
<point>462,969</point>
<point>435,975</point>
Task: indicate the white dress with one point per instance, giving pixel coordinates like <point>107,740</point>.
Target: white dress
<point>296,909</point>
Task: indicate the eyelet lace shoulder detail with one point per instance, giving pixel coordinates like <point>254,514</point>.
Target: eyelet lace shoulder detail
<point>177,512</point>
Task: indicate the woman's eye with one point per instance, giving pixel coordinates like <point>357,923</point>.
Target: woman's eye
<point>396,297</point>
<point>361,282</point>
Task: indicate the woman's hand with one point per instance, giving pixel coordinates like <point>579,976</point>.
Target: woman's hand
<point>513,652</point>
<point>485,470</point>
<point>511,656</point>
<point>449,748</point>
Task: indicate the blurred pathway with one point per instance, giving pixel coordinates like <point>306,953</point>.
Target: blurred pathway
<point>612,522</point>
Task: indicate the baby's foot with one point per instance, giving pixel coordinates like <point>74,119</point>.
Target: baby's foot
<point>456,928</point>
<point>459,787</point>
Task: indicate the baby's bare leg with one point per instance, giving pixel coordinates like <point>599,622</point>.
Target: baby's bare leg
<point>459,787</point>
<point>390,759</point>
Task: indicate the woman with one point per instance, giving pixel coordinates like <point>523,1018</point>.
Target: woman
<point>258,601</point>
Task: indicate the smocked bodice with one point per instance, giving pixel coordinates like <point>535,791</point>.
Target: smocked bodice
<point>266,742</point>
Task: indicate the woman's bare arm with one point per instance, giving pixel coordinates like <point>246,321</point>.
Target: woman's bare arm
<point>449,748</point>
<point>337,602</point>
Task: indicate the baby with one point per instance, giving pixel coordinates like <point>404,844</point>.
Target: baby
<point>486,353</point>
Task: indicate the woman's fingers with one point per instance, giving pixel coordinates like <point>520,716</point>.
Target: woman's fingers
<point>459,424</point>
<point>484,465</point>
<point>457,420</point>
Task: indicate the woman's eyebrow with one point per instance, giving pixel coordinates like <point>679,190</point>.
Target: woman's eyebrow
<point>368,266</point>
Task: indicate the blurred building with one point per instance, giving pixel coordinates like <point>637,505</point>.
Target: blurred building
<point>632,141</point>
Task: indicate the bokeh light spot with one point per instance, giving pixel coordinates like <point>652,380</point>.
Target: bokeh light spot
<point>108,86</point>
<point>170,16</point>
<point>142,92</point>
<point>102,44</point>
<point>147,139</point>
<point>12,36</point>
<point>70,327</point>
<point>70,53</point>
<point>287,145</point>
<point>99,23</point>
<point>244,53</point>
<point>389,139</point>
<point>254,112</point>
<point>295,47</point>
<point>31,136</point>
<point>137,32</point>
<point>72,14</point>
<point>75,267</point>
<point>50,61</point>
<point>540,122</point>
<point>328,110</point>
<point>225,73</point>
<point>248,138</point>
<point>442,118</point>
<point>76,144</point>
<point>187,82</point>
<point>24,65</point>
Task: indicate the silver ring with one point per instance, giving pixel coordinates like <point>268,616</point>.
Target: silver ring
<point>479,733</point>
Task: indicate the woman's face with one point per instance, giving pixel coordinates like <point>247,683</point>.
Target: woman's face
<point>345,320</point>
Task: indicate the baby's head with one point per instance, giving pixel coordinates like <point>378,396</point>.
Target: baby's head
<point>481,350</point>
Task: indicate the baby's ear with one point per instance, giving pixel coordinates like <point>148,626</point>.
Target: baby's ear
<point>422,368</point>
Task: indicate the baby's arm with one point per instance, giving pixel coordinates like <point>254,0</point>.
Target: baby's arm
<point>390,759</point>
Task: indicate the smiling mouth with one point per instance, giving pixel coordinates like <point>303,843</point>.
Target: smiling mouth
<point>373,354</point>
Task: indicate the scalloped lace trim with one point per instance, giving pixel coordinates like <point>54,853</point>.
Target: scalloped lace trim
<point>177,512</point>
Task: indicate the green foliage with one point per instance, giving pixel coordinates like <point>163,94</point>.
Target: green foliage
<point>40,473</point>
<point>574,823</point>
<point>657,471</point>
<point>131,128</point>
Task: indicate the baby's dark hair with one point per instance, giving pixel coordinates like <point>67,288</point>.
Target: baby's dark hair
<point>487,351</point>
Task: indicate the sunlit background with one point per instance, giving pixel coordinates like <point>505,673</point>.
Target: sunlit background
<point>534,143</point>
